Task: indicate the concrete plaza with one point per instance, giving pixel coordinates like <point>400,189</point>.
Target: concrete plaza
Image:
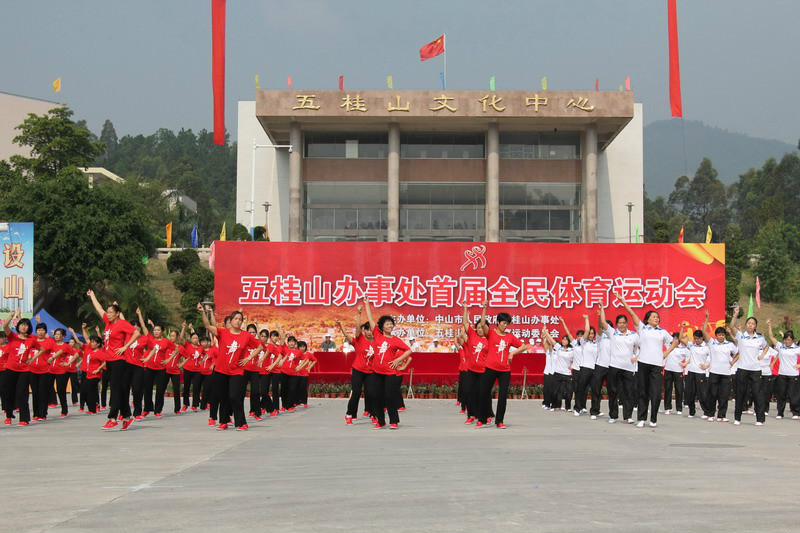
<point>308,471</point>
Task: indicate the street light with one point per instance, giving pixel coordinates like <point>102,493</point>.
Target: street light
<point>630,208</point>
<point>253,177</point>
<point>266,219</point>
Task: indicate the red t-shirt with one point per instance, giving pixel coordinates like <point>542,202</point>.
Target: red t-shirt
<point>163,350</point>
<point>19,352</point>
<point>57,366</point>
<point>499,345</point>
<point>194,356</point>
<point>308,356</point>
<point>252,365</point>
<point>92,359</point>
<point>232,349</point>
<point>211,354</point>
<point>386,349</point>
<point>476,351</point>
<point>115,336</point>
<point>172,366</point>
<point>139,350</point>
<point>40,364</point>
<point>274,351</point>
<point>293,356</point>
<point>3,356</point>
<point>462,359</point>
<point>364,352</point>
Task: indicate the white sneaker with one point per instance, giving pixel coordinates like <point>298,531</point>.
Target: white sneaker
<point>711,418</point>
<point>635,408</point>
<point>576,413</point>
<point>601,414</point>
<point>668,412</point>
<point>629,421</point>
<point>691,416</point>
<point>704,417</point>
<point>640,424</point>
<point>749,412</point>
<point>778,417</point>
<point>723,420</point>
<point>563,408</point>
<point>796,417</point>
<point>612,420</point>
<point>653,424</point>
<point>584,411</point>
<point>593,417</point>
<point>737,423</point>
<point>551,409</point>
<point>759,423</point>
<point>679,413</point>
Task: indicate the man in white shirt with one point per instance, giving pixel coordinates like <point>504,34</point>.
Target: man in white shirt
<point>675,360</point>
<point>697,375</point>
<point>721,353</point>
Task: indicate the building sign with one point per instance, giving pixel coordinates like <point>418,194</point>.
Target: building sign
<point>16,274</point>
<point>307,286</point>
<point>444,103</point>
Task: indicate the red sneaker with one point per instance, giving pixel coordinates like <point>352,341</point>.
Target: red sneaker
<point>251,414</point>
<point>392,426</point>
<point>80,410</point>
<point>291,409</point>
<point>74,403</point>
<point>35,418</point>
<point>243,427</point>
<point>145,413</point>
<point>222,426</point>
<point>479,425</point>
<point>52,405</point>
<point>273,414</point>
<point>366,414</point>
<point>305,406</point>
<point>7,422</point>
<point>259,418</point>
<point>348,420</point>
<point>138,417</point>
<point>184,409</point>
<point>461,412</point>
<point>212,422</point>
<point>501,426</point>
<point>283,409</point>
<point>194,409</point>
<point>127,424</point>
<point>62,415</point>
<point>373,420</point>
<point>119,418</point>
<point>401,409</point>
<point>470,420</point>
<point>157,415</point>
<point>377,426</point>
<point>488,420</point>
<point>22,423</point>
<point>110,424</point>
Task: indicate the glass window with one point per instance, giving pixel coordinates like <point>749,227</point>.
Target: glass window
<point>369,219</point>
<point>442,145</point>
<point>540,145</point>
<point>320,218</point>
<point>337,144</point>
<point>560,220</point>
<point>442,193</point>
<point>512,219</point>
<point>338,192</point>
<point>538,220</point>
<point>540,194</point>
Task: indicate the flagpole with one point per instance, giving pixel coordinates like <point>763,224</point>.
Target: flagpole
<point>444,45</point>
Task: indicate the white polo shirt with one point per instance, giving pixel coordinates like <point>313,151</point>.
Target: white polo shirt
<point>623,346</point>
<point>788,360</point>
<point>563,358</point>
<point>603,351</point>
<point>577,360</point>
<point>652,341</point>
<point>548,362</point>
<point>678,355</point>
<point>721,355</point>
<point>750,347</point>
<point>589,357</point>
<point>698,355</point>
<point>766,363</point>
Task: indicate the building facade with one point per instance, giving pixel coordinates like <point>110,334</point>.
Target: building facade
<point>512,166</point>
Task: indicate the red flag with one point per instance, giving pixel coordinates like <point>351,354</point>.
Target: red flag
<point>289,81</point>
<point>341,83</point>
<point>218,67</point>
<point>432,49</point>
<point>675,101</point>
<point>597,84</point>
<point>758,292</point>
<point>628,84</point>
<point>680,236</point>
<point>212,257</point>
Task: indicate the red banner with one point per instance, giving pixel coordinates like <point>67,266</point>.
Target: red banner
<point>675,101</point>
<point>218,67</point>
<point>307,286</point>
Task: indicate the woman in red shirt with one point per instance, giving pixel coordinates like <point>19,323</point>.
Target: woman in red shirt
<point>173,367</point>
<point>229,367</point>
<point>384,366</point>
<point>94,362</point>
<point>156,371</point>
<point>72,370</point>
<point>191,366</point>
<point>58,367</point>
<point>22,345</point>
<point>252,373</point>
<point>206,367</point>
<point>362,368</point>
<point>273,361</point>
<point>476,348</point>
<point>41,379</point>
<point>289,381</point>
<point>307,362</point>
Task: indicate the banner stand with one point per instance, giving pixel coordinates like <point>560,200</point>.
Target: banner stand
<point>524,381</point>
<point>410,395</point>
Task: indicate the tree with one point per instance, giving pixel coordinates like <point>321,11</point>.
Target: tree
<point>183,260</point>
<point>704,201</point>
<point>108,136</point>
<point>774,265</point>
<point>240,233</point>
<point>55,142</point>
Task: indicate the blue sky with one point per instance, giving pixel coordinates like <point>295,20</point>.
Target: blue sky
<point>146,64</point>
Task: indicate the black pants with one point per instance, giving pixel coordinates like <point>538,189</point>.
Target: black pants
<point>105,381</point>
<point>74,385</point>
<point>598,378</point>
<point>396,383</point>
<point>230,391</point>
<point>17,384</point>
<point>61,391</point>
<point>4,392</point>
<point>751,379</point>
<point>380,388</point>
<point>460,398</point>
<point>621,386</point>
<point>252,378</point>
<point>648,378</point>
<point>719,390</point>
<point>41,393</point>
<point>119,404</point>
<point>132,384</point>
<point>302,390</point>
<point>263,388</point>
<point>358,383</point>
<point>159,379</point>
<point>204,389</point>
<point>673,380</point>
<point>697,391</point>
<point>787,389</point>
<point>275,381</point>
<point>288,390</point>
<point>89,393</point>
<point>767,390</point>
<point>582,384</point>
<point>175,380</point>
<point>488,380</point>
<point>472,386</point>
<point>193,380</point>
<point>562,390</point>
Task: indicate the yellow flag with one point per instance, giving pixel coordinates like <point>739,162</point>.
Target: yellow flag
<point>222,233</point>
<point>169,235</point>
<point>258,85</point>
<point>57,85</point>
<point>708,235</point>
<point>389,82</point>
<point>544,83</point>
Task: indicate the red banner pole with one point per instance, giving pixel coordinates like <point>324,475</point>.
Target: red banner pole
<point>218,67</point>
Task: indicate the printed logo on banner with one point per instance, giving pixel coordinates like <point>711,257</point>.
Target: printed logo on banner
<point>476,258</point>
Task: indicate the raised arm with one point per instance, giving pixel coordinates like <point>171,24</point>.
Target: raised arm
<point>349,338</point>
<point>465,325</point>
<point>484,305</point>
<point>706,336</point>
<point>566,328</point>
<point>734,316</point>
<point>7,325</point>
<point>634,316</point>
<point>96,303</point>
<point>603,324</point>
<point>141,322</point>
<point>772,338</point>
<point>206,324</point>
<point>369,313</point>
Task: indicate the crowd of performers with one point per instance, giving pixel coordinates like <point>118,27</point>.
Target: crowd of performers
<point>132,364</point>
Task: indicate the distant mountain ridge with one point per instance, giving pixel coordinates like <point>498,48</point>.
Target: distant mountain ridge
<point>731,153</point>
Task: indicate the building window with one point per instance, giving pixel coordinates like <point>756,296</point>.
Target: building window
<point>540,194</point>
<point>540,145</point>
<point>345,193</point>
<point>344,145</point>
<point>442,145</point>
<point>346,219</point>
<point>441,219</point>
<point>414,193</point>
<point>540,220</point>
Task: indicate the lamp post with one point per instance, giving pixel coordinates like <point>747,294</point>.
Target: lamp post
<point>253,178</point>
<point>630,208</point>
<point>266,219</point>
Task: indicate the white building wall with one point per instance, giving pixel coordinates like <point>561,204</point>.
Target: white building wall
<point>271,178</point>
<point>13,112</point>
<point>620,180</point>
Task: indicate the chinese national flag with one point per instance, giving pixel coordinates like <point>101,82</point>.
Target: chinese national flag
<point>432,49</point>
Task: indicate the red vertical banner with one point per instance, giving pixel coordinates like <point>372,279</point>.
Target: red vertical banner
<point>218,67</point>
<point>628,84</point>
<point>675,101</point>
<point>341,83</point>
<point>597,84</point>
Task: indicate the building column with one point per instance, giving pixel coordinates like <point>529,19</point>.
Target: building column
<point>295,182</point>
<point>493,183</point>
<point>393,184</point>
<point>590,183</point>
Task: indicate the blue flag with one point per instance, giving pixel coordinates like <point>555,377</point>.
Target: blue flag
<point>194,236</point>
<point>441,75</point>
